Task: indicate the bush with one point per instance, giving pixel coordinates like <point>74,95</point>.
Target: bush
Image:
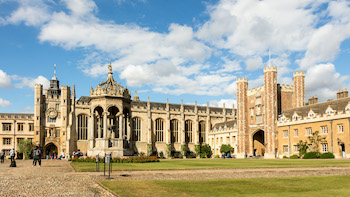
<point>176,154</point>
<point>226,148</point>
<point>285,157</point>
<point>217,156</point>
<point>327,156</point>
<point>161,155</point>
<point>294,157</point>
<point>190,154</point>
<point>311,155</point>
<point>139,159</point>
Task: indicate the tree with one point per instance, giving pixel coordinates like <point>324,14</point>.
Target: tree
<point>315,140</point>
<point>302,146</point>
<point>26,147</point>
<point>226,148</point>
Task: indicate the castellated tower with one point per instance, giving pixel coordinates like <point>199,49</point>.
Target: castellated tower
<point>270,106</point>
<point>242,117</point>
<point>299,89</point>
<point>38,114</point>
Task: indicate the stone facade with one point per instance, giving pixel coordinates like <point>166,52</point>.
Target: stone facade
<point>269,121</point>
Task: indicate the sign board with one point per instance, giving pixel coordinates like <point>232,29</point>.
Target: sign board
<point>108,159</point>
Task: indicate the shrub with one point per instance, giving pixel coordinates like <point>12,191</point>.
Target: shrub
<point>311,155</point>
<point>190,154</point>
<point>26,147</point>
<point>285,157</point>
<point>294,157</point>
<point>217,156</point>
<point>139,159</point>
<point>161,155</point>
<point>176,154</point>
<point>327,156</point>
<point>226,148</point>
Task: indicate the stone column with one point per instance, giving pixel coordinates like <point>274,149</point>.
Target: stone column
<point>105,125</point>
<point>182,124</point>
<point>121,126</point>
<point>91,130</point>
<point>99,131</point>
<point>196,127</point>
<point>128,131</point>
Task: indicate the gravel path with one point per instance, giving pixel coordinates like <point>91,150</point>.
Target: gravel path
<point>58,178</point>
<point>54,178</point>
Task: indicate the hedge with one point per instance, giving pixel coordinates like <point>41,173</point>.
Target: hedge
<point>138,159</point>
<point>311,155</point>
<point>327,156</point>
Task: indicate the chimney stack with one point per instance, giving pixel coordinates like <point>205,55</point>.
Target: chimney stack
<point>313,100</point>
<point>342,94</point>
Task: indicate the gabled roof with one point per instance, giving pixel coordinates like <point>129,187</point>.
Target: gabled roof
<point>318,108</point>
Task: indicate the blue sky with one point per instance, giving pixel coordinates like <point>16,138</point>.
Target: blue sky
<point>187,49</point>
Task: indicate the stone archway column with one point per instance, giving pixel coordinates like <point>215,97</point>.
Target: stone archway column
<point>128,127</point>
<point>91,130</point>
<point>105,125</point>
<point>121,126</point>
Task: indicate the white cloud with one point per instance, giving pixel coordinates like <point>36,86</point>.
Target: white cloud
<point>4,103</point>
<point>31,12</point>
<point>254,63</point>
<point>30,82</point>
<point>81,7</point>
<point>249,27</point>
<point>323,80</point>
<point>5,80</point>
<point>220,103</point>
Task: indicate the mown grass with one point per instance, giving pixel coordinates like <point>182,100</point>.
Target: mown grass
<point>293,186</point>
<point>180,164</point>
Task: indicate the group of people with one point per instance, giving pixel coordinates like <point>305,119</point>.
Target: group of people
<point>77,154</point>
<point>37,152</point>
<point>3,154</point>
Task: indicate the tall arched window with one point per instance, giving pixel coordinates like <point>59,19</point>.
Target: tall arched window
<point>188,131</point>
<point>82,127</point>
<point>159,130</point>
<point>201,131</point>
<point>174,131</point>
<point>136,129</point>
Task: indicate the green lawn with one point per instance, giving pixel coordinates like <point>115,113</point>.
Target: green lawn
<point>296,186</point>
<point>178,164</point>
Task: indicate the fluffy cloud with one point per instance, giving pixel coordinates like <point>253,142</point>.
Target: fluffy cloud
<point>220,103</point>
<point>254,63</point>
<point>4,103</point>
<point>323,80</point>
<point>30,82</point>
<point>30,12</point>
<point>5,80</point>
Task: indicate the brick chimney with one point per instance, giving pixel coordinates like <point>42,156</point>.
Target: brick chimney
<point>342,94</point>
<point>313,100</point>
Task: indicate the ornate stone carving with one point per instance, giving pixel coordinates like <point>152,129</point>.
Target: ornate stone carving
<point>110,87</point>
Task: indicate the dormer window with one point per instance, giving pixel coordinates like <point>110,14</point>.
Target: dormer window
<point>329,111</point>
<point>311,115</point>
<point>295,117</point>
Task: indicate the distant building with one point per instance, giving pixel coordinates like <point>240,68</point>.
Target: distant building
<point>269,121</point>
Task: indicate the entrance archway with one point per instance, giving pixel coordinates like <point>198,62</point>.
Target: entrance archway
<point>51,150</point>
<point>259,143</point>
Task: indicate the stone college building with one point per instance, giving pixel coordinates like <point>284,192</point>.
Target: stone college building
<point>269,121</point>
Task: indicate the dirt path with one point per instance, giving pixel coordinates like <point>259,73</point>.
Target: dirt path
<point>54,178</point>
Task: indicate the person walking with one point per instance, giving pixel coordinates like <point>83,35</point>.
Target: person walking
<point>2,156</point>
<point>37,156</point>
<point>12,154</point>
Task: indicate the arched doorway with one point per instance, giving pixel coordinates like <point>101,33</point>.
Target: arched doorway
<point>259,143</point>
<point>51,150</point>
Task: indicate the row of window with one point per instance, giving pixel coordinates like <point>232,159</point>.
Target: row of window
<point>308,131</point>
<point>20,126</point>
<point>159,130</point>
<point>8,141</point>
<point>324,148</point>
<point>220,140</point>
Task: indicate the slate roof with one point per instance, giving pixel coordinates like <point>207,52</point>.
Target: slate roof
<point>229,124</point>
<point>318,108</point>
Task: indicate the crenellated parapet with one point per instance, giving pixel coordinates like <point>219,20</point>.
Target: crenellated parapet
<point>299,74</point>
<point>287,88</point>
<point>242,80</point>
<point>270,69</point>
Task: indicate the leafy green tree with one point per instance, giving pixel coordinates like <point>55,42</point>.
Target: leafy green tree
<point>315,140</point>
<point>26,147</point>
<point>226,148</point>
<point>302,146</point>
<point>206,149</point>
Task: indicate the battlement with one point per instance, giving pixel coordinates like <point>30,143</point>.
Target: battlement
<point>299,74</point>
<point>286,88</point>
<point>242,80</point>
<point>270,69</point>
<point>253,91</point>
